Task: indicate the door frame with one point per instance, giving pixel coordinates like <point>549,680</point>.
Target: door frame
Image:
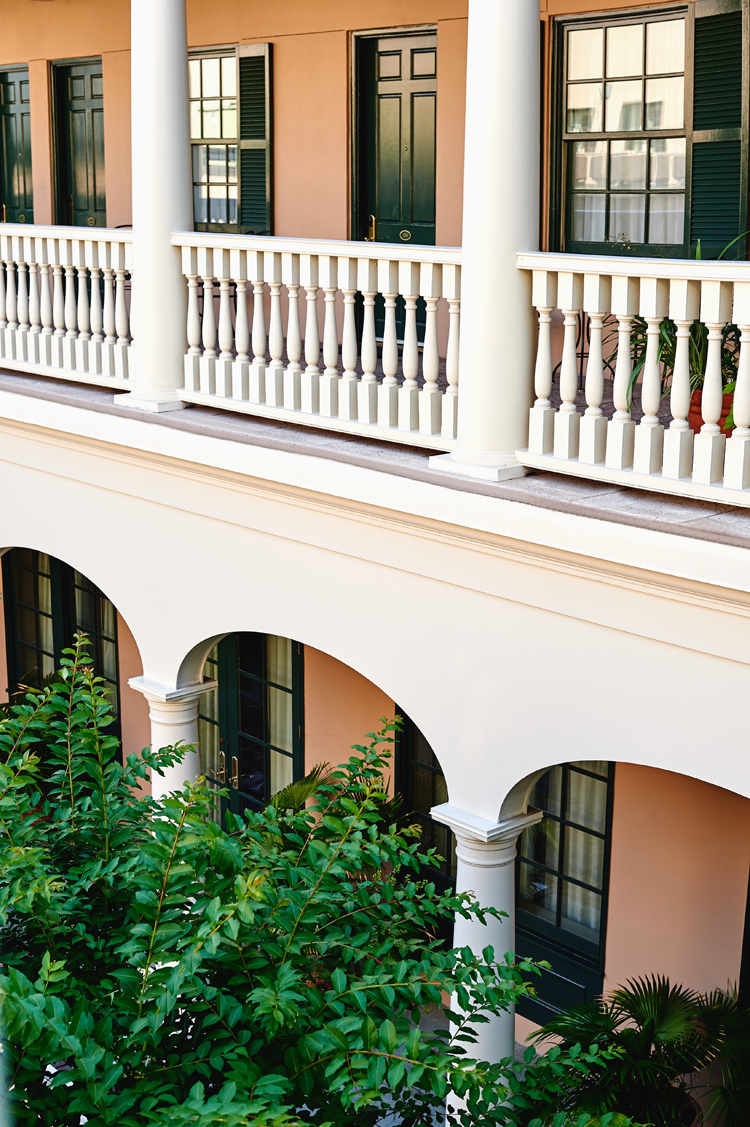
<point>10,69</point>
<point>54,69</point>
<point>355,132</point>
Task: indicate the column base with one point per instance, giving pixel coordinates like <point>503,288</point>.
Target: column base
<point>451,464</point>
<point>140,401</point>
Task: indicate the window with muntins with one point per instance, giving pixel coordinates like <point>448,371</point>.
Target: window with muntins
<point>652,120</point>
<point>421,784</point>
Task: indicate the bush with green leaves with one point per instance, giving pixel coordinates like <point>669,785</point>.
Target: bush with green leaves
<point>160,969</point>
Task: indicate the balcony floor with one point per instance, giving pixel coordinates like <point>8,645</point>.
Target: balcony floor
<point>701,520</point>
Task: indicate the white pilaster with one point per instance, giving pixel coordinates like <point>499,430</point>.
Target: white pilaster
<point>501,218</point>
<point>174,719</point>
<point>485,855</point>
<point>162,200</point>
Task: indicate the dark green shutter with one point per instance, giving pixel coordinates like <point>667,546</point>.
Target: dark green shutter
<point>718,211</point>
<point>256,189</point>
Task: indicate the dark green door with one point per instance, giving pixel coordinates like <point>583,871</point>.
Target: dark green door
<point>397,98</point>
<point>80,145</point>
<point>16,199</point>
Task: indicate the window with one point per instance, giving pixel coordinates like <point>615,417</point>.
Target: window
<point>46,602</point>
<point>562,878</point>
<point>230,133</point>
<point>251,726</point>
<point>421,783</point>
<point>652,144</point>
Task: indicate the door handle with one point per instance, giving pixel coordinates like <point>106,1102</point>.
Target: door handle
<point>222,767</point>
<point>370,236</point>
<point>235,779</point>
<point>5,214</point>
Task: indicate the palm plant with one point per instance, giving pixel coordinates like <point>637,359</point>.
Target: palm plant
<point>665,1036</point>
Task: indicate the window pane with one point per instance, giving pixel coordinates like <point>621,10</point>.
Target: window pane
<point>665,47</point>
<point>200,164</point>
<point>587,223</point>
<point>211,78</point>
<point>211,122</point>
<point>587,797</point>
<point>628,163</point>
<point>665,103</point>
<point>279,714</point>
<point>624,50</point>
<point>585,53</point>
<point>547,793</point>
<point>229,119</point>
<point>537,892</point>
<point>251,707</point>
<point>200,204</point>
<point>279,660</point>
<point>626,217</point>
<point>585,108</point>
<point>252,768</point>
<point>584,857</point>
<point>194,77</point>
<point>282,771</point>
<point>232,163</point>
<point>250,653</point>
<point>595,766</point>
<point>581,911</point>
<point>229,76</point>
<point>232,204</point>
<point>429,788</point>
<point>623,102</point>
<point>541,843</point>
<point>666,222</point>
<point>589,164</point>
<point>217,168</point>
<point>195,120</point>
<point>667,162</point>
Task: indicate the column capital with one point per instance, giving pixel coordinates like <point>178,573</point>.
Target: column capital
<point>480,842</point>
<point>157,693</point>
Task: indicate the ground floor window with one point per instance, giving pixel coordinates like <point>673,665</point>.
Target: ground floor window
<point>252,724</point>
<point>562,883</point>
<point>421,784</point>
<point>46,602</point>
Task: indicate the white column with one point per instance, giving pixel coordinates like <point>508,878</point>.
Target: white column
<point>485,855</point>
<point>162,199</point>
<point>501,218</point>
<point>174,719</point>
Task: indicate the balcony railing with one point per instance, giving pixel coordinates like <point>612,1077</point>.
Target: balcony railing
<point>654,369</point>
<point>253,349</point>
<point>65,303</point>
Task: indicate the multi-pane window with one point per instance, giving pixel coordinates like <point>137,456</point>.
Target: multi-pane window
<point>251,725</point>
<point>214,133</point>
<point>422,785</point>
<point>46,603</point>
<point>624,124</point>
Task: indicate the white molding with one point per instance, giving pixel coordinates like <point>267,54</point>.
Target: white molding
<point>163,694</point>
<point>470,826</point>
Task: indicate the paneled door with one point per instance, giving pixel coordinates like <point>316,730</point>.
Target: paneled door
<point>80,145</point>
<point>397,80</point>
<point>16,198</point>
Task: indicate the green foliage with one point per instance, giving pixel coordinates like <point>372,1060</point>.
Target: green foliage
<point>159,970</point>
<point>664,1036</point>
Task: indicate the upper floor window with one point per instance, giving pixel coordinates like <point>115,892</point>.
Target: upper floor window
<point>653,144</point>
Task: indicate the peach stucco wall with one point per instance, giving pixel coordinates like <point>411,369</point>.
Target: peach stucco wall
<point>341,707</point>
<point>134,719</point>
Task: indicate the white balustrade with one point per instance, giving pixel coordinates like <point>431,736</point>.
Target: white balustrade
<point>638,427</point>
<point>363,355</point>
<point>52,313</point>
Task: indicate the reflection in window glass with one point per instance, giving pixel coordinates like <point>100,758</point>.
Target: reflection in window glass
<point>665,47</point>
<point>581,911</point>
<point>667,162</point>
<point>229,76</point>
<point>666,218</point>
<point>585,53</point>
<point>590,164</point>
<point>537,892</point>
<point>585,108</point>
<point>665,103</point>
<point>625,50</point>
<point>627,214</point>
<point>623,106</point>
<point>211,78</point>
<point>194,78</point>
<point>587,218</point>
<point>628,161</point>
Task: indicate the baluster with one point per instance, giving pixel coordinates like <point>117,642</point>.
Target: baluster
<point>593,439</point>
<point>241,367</point>
<point>430,398</point>
<point>367,401</point>
<point>83,317</point>
<point>193,356</point>
<point>34,307</point>
<point>684,305</point>
<point>208,359</point>
<point>708,447</point>
<point>122,321</point>
<point>567,419</point>
<point>621,429</point>
<point>22,337</point>
<point>4,338</point>
<point>329,380</point>
<point>58,313</point>
<point>349,382</point>
<point>649,434</point>
<point>293,374</point>
<point>542,414</point>
<point>311,374</point>
<point>275,370</point>
<point>45,308</point>
<point>408,393</point>
<point>96,314</point>
<point>225,363</point>
<point>110,335</point>
<point>737,457</point>
<point>452,292</point>
<point>257,389</point>
<point>388,390</point>
<point>70,310</point>
<point>11,304</point>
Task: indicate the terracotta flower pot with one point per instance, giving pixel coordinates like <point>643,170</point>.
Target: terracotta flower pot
<point>695,419</point>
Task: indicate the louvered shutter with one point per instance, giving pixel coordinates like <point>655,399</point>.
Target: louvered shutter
<point>718,211</point>
<point>256,163</point>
